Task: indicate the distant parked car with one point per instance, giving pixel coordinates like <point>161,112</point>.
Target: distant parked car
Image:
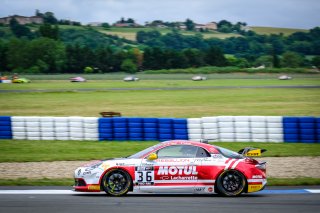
<point>131,78</point>
<point>21,80</point>
<point>284,77</point>
<point>199,78</point>
<point>78,79</point>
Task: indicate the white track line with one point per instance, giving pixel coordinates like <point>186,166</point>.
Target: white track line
<point>314,191</point>
<point>46,192</point>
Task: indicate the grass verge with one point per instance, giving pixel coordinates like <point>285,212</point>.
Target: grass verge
<point>37,151</point>
<point>165,103</point>
<point>303,181</point>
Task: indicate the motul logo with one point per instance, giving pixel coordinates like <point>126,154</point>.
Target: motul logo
<point>180,170</point>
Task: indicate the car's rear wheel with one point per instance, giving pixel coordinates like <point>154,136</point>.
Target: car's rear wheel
<point>231,183</point>
<point>116,182</point>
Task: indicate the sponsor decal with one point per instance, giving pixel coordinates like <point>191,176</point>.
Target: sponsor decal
<point>79,172</point>
<point>216,156</point>
<point>257,176</point>
<point>87,173</point>
<point>203,160</point>
<point>177,170</point>
<point>255,187</point>
<point>144,168</point>
<point>94,187</point>
<point>199,189</point>
<point>184,178</point>
<point>177,160</point>
<point>144,183</point>
<point>164,178</point>
<point>210,189</point>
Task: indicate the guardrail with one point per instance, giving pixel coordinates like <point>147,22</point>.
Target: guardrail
<point>219,128</point>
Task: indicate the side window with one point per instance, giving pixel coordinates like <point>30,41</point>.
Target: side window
<point>202,153</point>
<point>179,151</point>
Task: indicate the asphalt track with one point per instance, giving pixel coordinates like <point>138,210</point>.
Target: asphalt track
<point>62,199</point>
<point>162,88</point>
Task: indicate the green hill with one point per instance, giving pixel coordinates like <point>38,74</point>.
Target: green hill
<point>275,30</point>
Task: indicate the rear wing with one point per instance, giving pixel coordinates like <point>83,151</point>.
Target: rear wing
<point>251,152</point>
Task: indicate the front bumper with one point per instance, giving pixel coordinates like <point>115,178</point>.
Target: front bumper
<point>81,186</point>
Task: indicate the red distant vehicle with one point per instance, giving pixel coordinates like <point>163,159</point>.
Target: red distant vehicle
<point>176,167</point>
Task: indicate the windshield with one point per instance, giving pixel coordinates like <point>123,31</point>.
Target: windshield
<point>228,153</point>
<point>145,151</point>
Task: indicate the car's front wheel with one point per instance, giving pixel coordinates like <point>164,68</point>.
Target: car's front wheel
<point>231,183</point>
<point>116,182</point>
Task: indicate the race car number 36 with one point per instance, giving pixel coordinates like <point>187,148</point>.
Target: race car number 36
<point>144,175</point>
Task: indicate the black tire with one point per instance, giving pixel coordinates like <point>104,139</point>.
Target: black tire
<point>231,183</point>
<point>116,182</point>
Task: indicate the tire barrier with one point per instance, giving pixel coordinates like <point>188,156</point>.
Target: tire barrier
<point>5,127</point>
<point>213,129</point>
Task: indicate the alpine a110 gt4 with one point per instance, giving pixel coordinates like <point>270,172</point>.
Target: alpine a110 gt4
<point>176,167</point>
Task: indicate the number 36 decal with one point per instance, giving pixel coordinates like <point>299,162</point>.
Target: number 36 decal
<point>144,175</point>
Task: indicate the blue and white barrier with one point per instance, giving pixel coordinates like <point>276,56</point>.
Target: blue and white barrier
<point>218,128</point>
<point>5,127</point>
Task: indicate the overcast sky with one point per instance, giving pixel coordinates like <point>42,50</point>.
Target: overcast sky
<point>304,14</point>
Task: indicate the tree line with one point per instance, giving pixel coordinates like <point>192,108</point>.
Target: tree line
<point>52,50</point>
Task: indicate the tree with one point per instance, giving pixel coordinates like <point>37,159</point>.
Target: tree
<point>215,57</point>
<point>264,60</point>
<point>3,53</point>
<point>46,30</point>
<point>19,30</point>
<point>194,57</point>
<point>137,57</point>
<point>88,70</point>
<point>17,55</point>
<point>276,61</point>
<point>129,66</point>
<point>225,26</point>
<point>190,25</point>
<point>144,36</point>
<point>106,25</point>
<point>291,59</point>
<point>40,55</point>
<point>49,18</point>
<point>316,61</point>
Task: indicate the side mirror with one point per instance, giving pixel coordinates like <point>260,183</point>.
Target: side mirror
<point>153,156</point>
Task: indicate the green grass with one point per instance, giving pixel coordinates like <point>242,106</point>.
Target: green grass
<point>36,151</point>
<point>197,101</point>
<point>39,151</point>
<point>130,33</point>
<point>275,30</point>
<point>69,182</point>
<point>165,103</point>
<point>303,181</point>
